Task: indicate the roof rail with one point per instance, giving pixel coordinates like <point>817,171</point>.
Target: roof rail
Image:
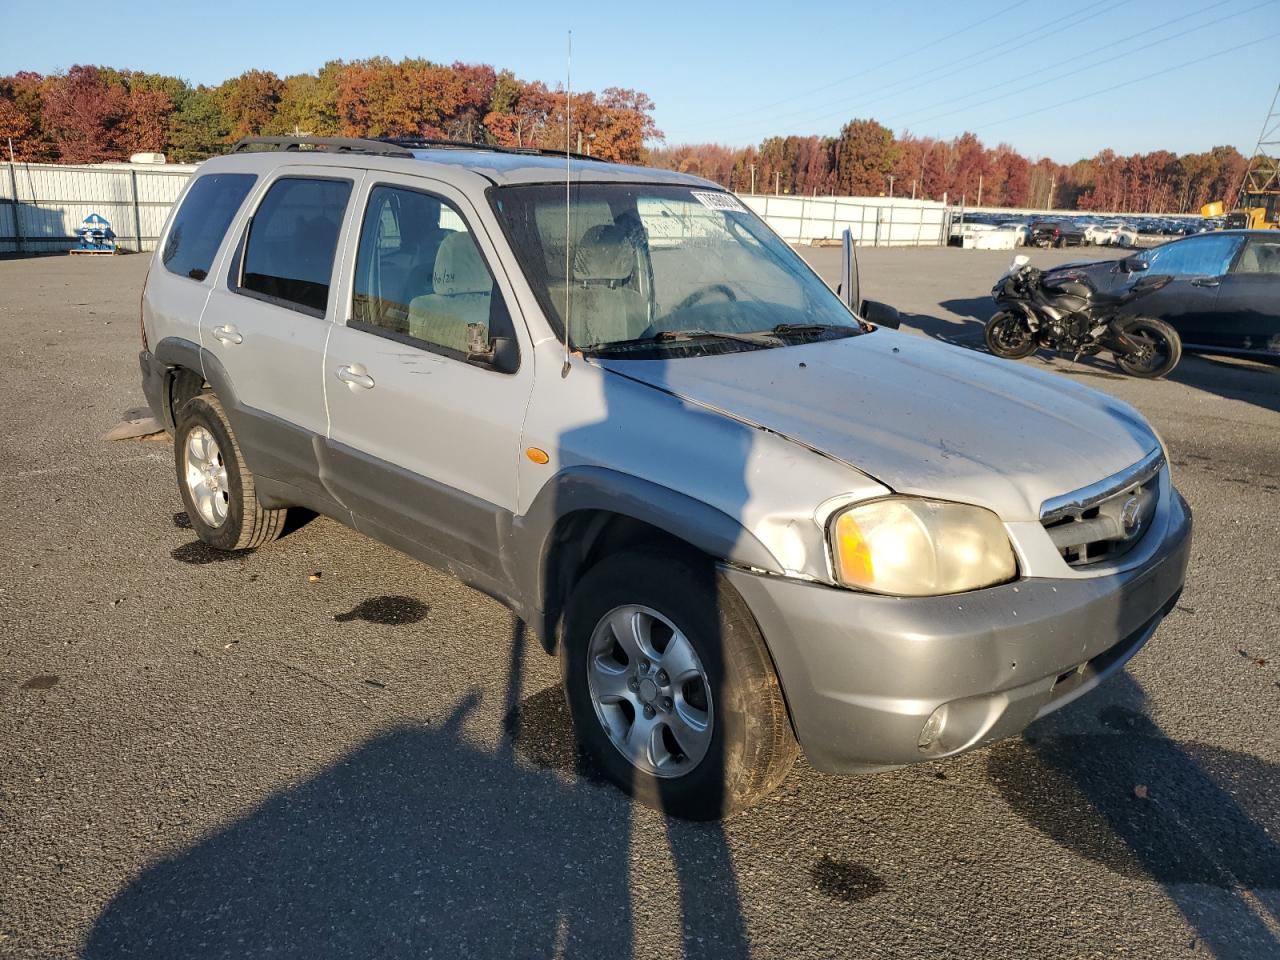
<point>427,143</point>
<point>387,146</point>
<point>322,144</point>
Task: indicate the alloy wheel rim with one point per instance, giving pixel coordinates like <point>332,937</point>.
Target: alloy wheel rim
<point>650,691</point>
<point>1011,335</point>
<point>206,476</point>
<point>1154,349</point>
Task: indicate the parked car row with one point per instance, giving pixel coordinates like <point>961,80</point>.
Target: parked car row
<point>1120,231</point>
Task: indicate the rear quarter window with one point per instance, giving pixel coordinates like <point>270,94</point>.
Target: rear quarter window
<point>201,222</point>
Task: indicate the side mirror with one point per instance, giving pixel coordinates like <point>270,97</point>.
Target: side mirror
<point>497,353</point>
<point>881,314</point>
<point>1133,264</point>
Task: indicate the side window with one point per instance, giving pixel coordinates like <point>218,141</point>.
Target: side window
<point>1261,256</point>
<point>1207,256</point>
<point>201,222</point>
<point>288,255</point>
<point>420,276</point>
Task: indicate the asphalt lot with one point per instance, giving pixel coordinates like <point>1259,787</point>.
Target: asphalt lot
<point>211,755</point>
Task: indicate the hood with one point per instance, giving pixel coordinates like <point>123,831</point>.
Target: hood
<point>919,416</point>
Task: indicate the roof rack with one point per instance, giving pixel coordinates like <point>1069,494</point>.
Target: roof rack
<point>322,144</point>
<point>426,143</point>
<point>387,146</point>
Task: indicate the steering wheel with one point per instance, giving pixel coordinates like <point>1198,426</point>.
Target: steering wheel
<point>701,292</point>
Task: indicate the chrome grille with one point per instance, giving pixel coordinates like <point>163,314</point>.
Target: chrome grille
<point>1106,519</point>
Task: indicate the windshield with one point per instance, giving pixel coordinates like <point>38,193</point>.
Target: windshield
<point>646,264</point>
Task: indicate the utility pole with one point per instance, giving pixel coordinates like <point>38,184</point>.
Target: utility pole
<point>913,189</point>
<point>753,179</point>
<point>1053,183</point>
<point>777,183</point>
<point>979,189</point>
<point>891,179</point>
<point>579,141</point>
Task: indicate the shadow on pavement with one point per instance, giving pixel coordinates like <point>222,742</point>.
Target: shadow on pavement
<point>415,844</point>
<point>1200,820</point>
<point>1248,381</point>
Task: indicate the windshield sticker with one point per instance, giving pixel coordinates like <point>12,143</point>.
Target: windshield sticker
<point>718,201</point>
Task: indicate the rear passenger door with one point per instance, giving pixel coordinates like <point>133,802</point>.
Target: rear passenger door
<point>1249,298</point>
<point>424,440</point>
<point>269,317</point>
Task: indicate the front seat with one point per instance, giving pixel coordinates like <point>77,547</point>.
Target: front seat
<point>462,292</point>
<point>604,306</point>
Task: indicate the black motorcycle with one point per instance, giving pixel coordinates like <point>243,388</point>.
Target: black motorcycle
<point>1065,313</point>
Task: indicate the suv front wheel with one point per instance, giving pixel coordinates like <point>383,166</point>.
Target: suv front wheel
<point>216,485</point>
<point>671,689</point>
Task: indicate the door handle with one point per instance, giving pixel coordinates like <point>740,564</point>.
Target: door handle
<point>227,334</point>
<point>354,375</point>
<point>1206,282</point>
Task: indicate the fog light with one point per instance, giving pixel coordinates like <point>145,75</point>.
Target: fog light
<point>932,728</point>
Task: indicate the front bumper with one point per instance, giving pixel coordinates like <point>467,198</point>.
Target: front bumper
<point>863,673</point>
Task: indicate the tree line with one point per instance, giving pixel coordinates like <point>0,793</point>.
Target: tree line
<point>867,159</point>
<point>91,114</point>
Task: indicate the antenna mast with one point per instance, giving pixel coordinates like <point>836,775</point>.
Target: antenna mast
<point>568,221</point>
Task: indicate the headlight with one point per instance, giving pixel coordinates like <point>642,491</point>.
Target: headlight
<point>914,547</point>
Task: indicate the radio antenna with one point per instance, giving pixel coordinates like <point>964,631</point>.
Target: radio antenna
<point>568,221</point>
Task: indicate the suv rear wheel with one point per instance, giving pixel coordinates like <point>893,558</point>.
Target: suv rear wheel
<point>216,486</point>
<point>671,689</point>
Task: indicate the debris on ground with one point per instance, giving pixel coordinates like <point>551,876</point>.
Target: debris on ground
<point>135,424</point>
<point>1140,791</point>
<point>315,577</point>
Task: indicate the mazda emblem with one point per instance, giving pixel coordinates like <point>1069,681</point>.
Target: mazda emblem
<point>1131,515</point>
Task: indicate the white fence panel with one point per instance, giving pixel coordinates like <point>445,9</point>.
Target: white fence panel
<point>42,205</point>
<point>874,221</point>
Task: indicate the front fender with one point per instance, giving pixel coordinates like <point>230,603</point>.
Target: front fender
<point>581,489</point>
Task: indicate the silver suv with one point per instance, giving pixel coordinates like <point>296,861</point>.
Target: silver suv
<point>746,520</point>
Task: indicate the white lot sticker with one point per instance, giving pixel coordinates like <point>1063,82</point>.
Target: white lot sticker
<point>719,201</point>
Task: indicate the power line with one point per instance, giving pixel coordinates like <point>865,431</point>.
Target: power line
<point>882,64</point>
<point>1090,66</point>
<point>1128,83</point>
<point>925,78</point>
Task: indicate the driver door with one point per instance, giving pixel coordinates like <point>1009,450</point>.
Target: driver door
<point>423,443</point>
<point>1198,265</point>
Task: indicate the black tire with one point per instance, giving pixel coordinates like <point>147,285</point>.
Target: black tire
<point>247,523</point>
<point>1007,336</point>
<point>1166,347</point>
<point>752,746</point>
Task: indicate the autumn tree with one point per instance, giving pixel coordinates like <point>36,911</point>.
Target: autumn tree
<point>197,127</point>
<point>865,157</point>
<point>21,117</point>
<point>146,121</point>
<point>248,102</point>
<point>309,103</point>
<point>83,114</point>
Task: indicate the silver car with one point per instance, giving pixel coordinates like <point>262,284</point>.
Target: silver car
<point>746,520</point>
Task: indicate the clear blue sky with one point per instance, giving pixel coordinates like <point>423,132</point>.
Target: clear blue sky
<point>736,72</point>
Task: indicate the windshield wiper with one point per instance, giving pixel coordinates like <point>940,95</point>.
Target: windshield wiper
<point>754,338</point>
<point>783,329</point>
<point>680,336</point>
